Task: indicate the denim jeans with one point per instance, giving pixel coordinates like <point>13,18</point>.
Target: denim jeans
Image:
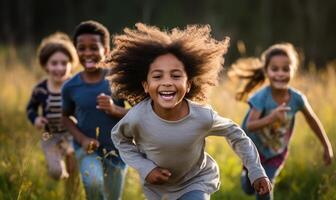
<point>103,179</point>
<point>195,195</point>
<point>271,172</point>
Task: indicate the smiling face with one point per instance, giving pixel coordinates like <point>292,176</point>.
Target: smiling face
<point>167,83</point>
<point>279,72</point>
<point>90,51</point>
<point>58,67</point>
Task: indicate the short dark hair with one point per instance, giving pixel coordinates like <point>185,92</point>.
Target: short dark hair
<point>93,27</point>
<point>134,51</point>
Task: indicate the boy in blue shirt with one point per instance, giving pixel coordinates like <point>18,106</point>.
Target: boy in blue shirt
<point>87,98</point>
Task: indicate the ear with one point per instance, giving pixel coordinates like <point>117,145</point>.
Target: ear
<point>189,82</point>
<point>106,51</point>
<point>145,86</point>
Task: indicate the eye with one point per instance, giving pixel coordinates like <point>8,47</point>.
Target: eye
<point>80,48</point>
<point>64,63</point>
<point>156,76</point>
<point>176,76</point>
<point>53,62</point>
<point>286,69</point>
<point>94,48</point>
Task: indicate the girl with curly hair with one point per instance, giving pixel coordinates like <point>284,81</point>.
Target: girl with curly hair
<point>166,76</point>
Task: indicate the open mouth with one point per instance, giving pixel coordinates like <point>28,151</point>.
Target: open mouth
<point>89,63</point>
<point>167,95</point>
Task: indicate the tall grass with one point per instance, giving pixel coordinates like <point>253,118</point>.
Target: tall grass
<point>23,169</point>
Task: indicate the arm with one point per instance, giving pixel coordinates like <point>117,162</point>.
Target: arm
<point>245,149</point>
<point>68,109</point>
<point>122,137</point>
<point>88,144</point>
<point>241,144</point>
<point>105,103</point>
<point>254,122</point>
<point>315,124</point>
<point>32,112</point>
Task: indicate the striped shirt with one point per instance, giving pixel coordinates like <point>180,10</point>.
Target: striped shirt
<point>51,105</point>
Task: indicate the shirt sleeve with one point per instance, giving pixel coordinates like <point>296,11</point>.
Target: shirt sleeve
<point>122,135</point>
<point>240,143</point>
<point>32,107</point>
<point>257,101</point>
<point>301,101</point>
<point>68,105</point>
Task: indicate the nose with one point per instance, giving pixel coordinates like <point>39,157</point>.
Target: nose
<point>61,66</point>
<point>166,82</point>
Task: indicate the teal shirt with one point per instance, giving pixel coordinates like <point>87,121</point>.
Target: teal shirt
<point>273,139</point>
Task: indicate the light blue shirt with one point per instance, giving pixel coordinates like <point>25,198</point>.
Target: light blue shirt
<point>273,139</point>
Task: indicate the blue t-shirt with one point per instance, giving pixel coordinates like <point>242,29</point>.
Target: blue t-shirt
<point>272,140</point>
<point>80,100</point>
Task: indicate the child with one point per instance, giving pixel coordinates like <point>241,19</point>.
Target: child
<point>86,97</point>
<point>270,119</point>
<point>166,74</point>
<point>57,56</point>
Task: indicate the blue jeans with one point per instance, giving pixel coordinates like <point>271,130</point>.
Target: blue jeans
<point>271,173</point>
<point>102,178</point>
<point>195,195</point>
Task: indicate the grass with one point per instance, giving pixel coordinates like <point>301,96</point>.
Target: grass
<point>23,169</point>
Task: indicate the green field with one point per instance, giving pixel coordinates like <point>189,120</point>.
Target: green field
<point>23,173</point>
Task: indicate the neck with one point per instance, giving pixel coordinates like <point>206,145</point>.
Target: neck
<point>93,76</point>
<point>54,86</point>
<point>178,112</point>
<point>281,95</point>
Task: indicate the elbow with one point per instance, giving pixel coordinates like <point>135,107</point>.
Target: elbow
<point>250,128</point>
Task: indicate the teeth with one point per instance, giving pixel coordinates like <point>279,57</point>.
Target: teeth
<point>167,93</point>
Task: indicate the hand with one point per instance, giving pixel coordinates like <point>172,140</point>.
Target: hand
<point>40,122</point>
<point>328,155</point>
<point>280,113</point>
<point>105,103</point>
<point>158,176</point>
<point>262,185</point>
<point>89,144</point>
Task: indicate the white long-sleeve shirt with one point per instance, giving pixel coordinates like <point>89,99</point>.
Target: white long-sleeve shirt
<point>146,141</point>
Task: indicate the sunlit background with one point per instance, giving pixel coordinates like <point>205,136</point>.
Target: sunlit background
<point>252,26</point>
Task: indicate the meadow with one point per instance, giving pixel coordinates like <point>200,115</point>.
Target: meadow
<point>23,172</point>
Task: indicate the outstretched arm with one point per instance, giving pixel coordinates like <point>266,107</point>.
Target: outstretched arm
<point>317,127</point>
<point>241,144</point>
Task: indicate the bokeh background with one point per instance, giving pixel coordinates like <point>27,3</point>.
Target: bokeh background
<point>252,26</point>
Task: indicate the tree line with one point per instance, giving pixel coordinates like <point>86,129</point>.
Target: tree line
<point>252,25</point>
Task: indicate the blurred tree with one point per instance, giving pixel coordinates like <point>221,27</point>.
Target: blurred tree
<point>256,24</point>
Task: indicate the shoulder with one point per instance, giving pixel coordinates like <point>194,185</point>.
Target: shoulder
<point>258,99</point>
<point>138,110</point>
<point>296,93</point>
<point>298,97</point>
<point>74,81</point>
<point>201,110</point>
<point>261,94</point>
<point>41,88</point>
